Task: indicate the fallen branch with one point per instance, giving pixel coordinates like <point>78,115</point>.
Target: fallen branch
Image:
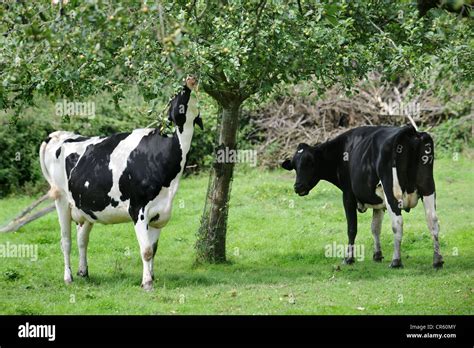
<point>23,218</point>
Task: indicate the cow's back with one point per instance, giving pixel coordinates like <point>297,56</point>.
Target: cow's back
<point>367,149</point>
<point>400,155</point>
<point>111,179</point>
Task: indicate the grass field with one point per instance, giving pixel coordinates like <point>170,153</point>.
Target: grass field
<point>276,251</point>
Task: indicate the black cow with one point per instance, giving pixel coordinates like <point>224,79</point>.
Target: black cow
<point>378,167</point>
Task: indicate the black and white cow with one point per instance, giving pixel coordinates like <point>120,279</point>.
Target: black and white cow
<point>123,177</point>
<point>378,167</point>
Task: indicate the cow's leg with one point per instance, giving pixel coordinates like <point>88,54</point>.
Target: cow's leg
<point>429,203</point>
<point>397,228</point>
<point>377,218</point>
<point>426,189</point>
<point>83,232</point>
<point>350,207</point>
<point>64,216</point>
<point>394,206</point>
<point>154,236</point>
<point>147,238</point>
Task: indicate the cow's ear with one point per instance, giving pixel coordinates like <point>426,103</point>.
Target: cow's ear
<point>302,146</point>
<point>287,165</point>
<point>198,121</point>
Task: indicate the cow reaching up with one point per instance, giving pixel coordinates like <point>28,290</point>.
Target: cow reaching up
<point>119,178</point>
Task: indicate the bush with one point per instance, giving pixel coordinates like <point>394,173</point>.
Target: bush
<point>453,136</point>
<point>19,165</point>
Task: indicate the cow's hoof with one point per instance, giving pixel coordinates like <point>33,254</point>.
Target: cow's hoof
<point>83,273</point>
<point>67,275</point>
<point>349,260</point>
<point>148,286</point>
<point>377,257</point>
<point>396,263</point>
<point>438,261</point>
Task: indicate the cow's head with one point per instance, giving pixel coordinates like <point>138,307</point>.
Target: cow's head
<point>183,107</point>
<point>304,162</point>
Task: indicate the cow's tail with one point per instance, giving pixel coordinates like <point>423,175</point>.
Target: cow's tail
<point>402,151</point>
<point>413,157</point>
<point>425,163</point>
<point>54,191</point>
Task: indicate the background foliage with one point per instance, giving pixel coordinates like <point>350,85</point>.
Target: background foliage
<point>129,57</point>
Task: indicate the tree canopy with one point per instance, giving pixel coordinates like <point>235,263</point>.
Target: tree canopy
<point>78,48</point>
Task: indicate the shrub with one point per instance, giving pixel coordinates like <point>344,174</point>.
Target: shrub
<point>453,135</point>
<point>19,165</point>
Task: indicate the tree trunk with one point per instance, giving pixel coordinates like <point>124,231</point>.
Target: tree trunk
<point>211,239</point>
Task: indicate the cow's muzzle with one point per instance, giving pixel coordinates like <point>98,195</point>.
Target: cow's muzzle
<point>301,190</point>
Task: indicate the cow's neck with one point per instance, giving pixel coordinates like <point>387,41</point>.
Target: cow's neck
<point>186,135</point>
<point>329,169</point>
<point>185,139</point>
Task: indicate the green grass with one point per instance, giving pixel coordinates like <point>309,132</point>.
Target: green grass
<point>276,257</point>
